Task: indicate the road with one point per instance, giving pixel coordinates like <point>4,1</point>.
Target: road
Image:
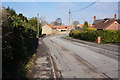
<point>77,60</point>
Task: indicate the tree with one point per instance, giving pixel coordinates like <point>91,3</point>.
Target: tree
<point>75,23</point>
<point>23,18</point>
<point>5,25</point>
<point>19,43</point>
<point>85,25</point>
<point>11,11</point>
<point>43,21</point>
<point>33,22</point>
<point>53,23</point>
<point>8,8</point>
<point>58,21</point>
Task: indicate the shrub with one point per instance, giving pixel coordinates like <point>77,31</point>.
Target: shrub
<point>71,33</point>
<point>108,36</point>
<point>76,34</point>
<point>19,44</point>
<point>91,29</point>
<point>111,36</point>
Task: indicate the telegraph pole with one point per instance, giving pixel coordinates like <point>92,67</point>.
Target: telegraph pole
<point>70,15</point>
<point>72,22</point>
<point>38,24</point>
<point>69,18</point>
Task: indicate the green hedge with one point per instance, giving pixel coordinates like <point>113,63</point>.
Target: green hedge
<point>107,36</point>
<point>19,43</point>
<point>111,36</point>
<point>18,48</point>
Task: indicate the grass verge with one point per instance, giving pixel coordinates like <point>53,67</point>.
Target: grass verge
<point>69,37</point>
<point>29,66</point>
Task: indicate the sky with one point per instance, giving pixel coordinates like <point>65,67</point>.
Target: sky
<point>53,10</point>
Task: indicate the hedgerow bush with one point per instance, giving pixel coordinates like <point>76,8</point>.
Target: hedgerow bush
<point>107,36</point>
<point>19,43</point>
<point>76,34</point>
<point>111,36</point>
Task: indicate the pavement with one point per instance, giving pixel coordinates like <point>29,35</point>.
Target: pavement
<point>43,66</point>
<point>79,60</point>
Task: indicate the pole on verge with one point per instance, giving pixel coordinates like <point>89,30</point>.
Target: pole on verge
<point>38,24</point>
<point>69,19</point>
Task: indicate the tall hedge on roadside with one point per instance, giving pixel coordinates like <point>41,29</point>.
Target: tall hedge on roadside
<point>111,36</point>
<point>107,36</point>
<point>18,44</point>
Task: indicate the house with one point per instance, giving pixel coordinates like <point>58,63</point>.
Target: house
<point>80,26</point>
<point>89,24</point>
<point>63,28</point>
<point>107,23</point>
<point>50,29</point>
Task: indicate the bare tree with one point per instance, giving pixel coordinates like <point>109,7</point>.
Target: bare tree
<point>43,21</point>
<point>75,23</point>
<point>58,21</point>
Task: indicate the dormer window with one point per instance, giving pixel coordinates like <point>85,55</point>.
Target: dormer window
<point>115,22</point>
<point>106,21</point>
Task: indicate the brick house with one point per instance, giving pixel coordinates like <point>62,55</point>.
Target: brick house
<point>107,23</point>
<point>63,28</point>
<point>50,29</point>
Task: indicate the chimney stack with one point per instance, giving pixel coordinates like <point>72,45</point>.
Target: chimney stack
<point>94,18</point>
<point>115,16</point>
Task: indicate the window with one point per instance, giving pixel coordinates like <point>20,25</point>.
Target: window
<point>106,21</point>
<point>115,22</point>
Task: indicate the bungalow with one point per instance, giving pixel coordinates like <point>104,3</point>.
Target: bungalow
<point>50,29</point>
<point>106,24</point>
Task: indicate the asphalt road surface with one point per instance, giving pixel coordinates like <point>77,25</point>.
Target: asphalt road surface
<point>77,60</point>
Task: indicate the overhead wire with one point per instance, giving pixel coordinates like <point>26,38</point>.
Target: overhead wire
<point>79,10</point>
<point>83,8</point>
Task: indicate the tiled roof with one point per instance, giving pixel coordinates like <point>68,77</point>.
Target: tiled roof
<point>60,27</point>
<point>51,26</point>
<point>98,21</point>
<point>89,24</point>
<point>80,25</point>
<point>101,20</point>
<point>103,24</point>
